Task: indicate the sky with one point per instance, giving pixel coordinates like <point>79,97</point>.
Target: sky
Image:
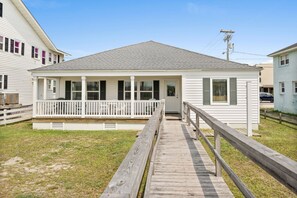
<point>83,27</point>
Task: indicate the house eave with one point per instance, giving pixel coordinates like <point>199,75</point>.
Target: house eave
<point>277,53</point>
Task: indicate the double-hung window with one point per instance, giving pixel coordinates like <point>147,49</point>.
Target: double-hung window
<point>76,89</point>
<point>284,60</point>
<point>1,43</point>
<point>219,91</point>
<point>282,87</point>
<point>49,57</point>
<point>93,90</point>
<point>55,58</point>
<point>49,84</point>
<point>43,57</point>
<point>17,46</point>
<point>3,81</point>
<point>127,90</point>
<point>146,90</point>
<point>34,53</point>
<point>54,83</point>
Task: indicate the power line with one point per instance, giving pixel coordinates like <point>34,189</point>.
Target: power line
<point>248,53</point>
<point>212,42</point>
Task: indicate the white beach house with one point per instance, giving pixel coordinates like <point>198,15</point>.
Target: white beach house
<point>120,88</point>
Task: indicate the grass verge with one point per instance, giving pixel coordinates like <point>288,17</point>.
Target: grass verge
<point>46,163</point>
<point>279,137</point>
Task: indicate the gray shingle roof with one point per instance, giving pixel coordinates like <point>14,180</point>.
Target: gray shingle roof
<point>146,56</point>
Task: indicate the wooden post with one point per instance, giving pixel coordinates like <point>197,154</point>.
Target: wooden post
<point>249,109</point>
<point>217,147</point>
<point>83,96</point>
<point>4,116</point>
<point>188,116</point>
<point>265,111</point>
<point>198,125</point>
<point>280,118</point>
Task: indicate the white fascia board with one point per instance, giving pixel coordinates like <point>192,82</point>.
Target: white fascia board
<point>131,73</point>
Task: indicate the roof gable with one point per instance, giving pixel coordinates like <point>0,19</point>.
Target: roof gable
<point>149,55</point>
<point>35,25</point>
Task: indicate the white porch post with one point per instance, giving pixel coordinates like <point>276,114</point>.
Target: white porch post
<point>44,88</point>
<point>132,78</point>
<point>35,91</point>
<point>83,96</point>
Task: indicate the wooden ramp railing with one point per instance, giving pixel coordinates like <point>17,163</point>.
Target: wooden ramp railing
<point>279,166</point>
<point>126,181</point>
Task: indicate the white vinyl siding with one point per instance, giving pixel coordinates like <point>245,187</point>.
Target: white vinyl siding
<point>14,26</point>
<point>230,114</point>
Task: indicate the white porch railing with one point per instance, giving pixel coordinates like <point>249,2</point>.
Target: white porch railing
<point>103,108</point>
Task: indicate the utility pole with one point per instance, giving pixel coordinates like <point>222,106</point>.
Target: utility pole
<point>227,39</point>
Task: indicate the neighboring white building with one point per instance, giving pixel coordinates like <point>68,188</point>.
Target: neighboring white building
<point>97,89</point>
<point>23,46</point>
<point>285,79</point>
<point>266,77</point>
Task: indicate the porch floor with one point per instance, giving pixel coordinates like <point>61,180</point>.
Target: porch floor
<point>182,167</point>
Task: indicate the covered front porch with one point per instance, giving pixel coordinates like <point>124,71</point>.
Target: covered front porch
<point>105,96</point>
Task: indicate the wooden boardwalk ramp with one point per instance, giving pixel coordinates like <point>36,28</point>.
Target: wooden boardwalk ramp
<point>182,168</point>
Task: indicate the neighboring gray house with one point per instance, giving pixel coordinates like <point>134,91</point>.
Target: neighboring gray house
<point>120,88</point>
<point>285,79</point>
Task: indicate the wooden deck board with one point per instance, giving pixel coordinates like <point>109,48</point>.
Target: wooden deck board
<point>182,167</point>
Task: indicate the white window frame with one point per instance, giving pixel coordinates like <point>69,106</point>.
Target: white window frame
<point>284,58</point>
<point>55,59</point>
<point>281,87</point>
<point>152,91</point>
<point>36,52</point>
<point>2,82</point>
<point>49,85</point>
<point>43,57</point>
<point>50,57</point>
<point>19,48</point>
<point>211,92</point>
<point>2,42</point>
<point>294,87</point>
<point>93,91</point>
<point>54,86</point>
<point>129,91</point>
<point>75,91</point>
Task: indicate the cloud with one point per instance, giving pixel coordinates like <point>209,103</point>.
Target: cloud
<point>44,4</point>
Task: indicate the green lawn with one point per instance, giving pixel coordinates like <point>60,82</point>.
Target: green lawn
<point>280,137</point>
<point>45,163</point>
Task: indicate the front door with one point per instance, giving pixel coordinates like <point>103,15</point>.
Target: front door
<point>172,96</point>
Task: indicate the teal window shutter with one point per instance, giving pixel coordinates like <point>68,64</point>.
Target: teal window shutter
<point>233,91</point>
<point>206,91</point>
